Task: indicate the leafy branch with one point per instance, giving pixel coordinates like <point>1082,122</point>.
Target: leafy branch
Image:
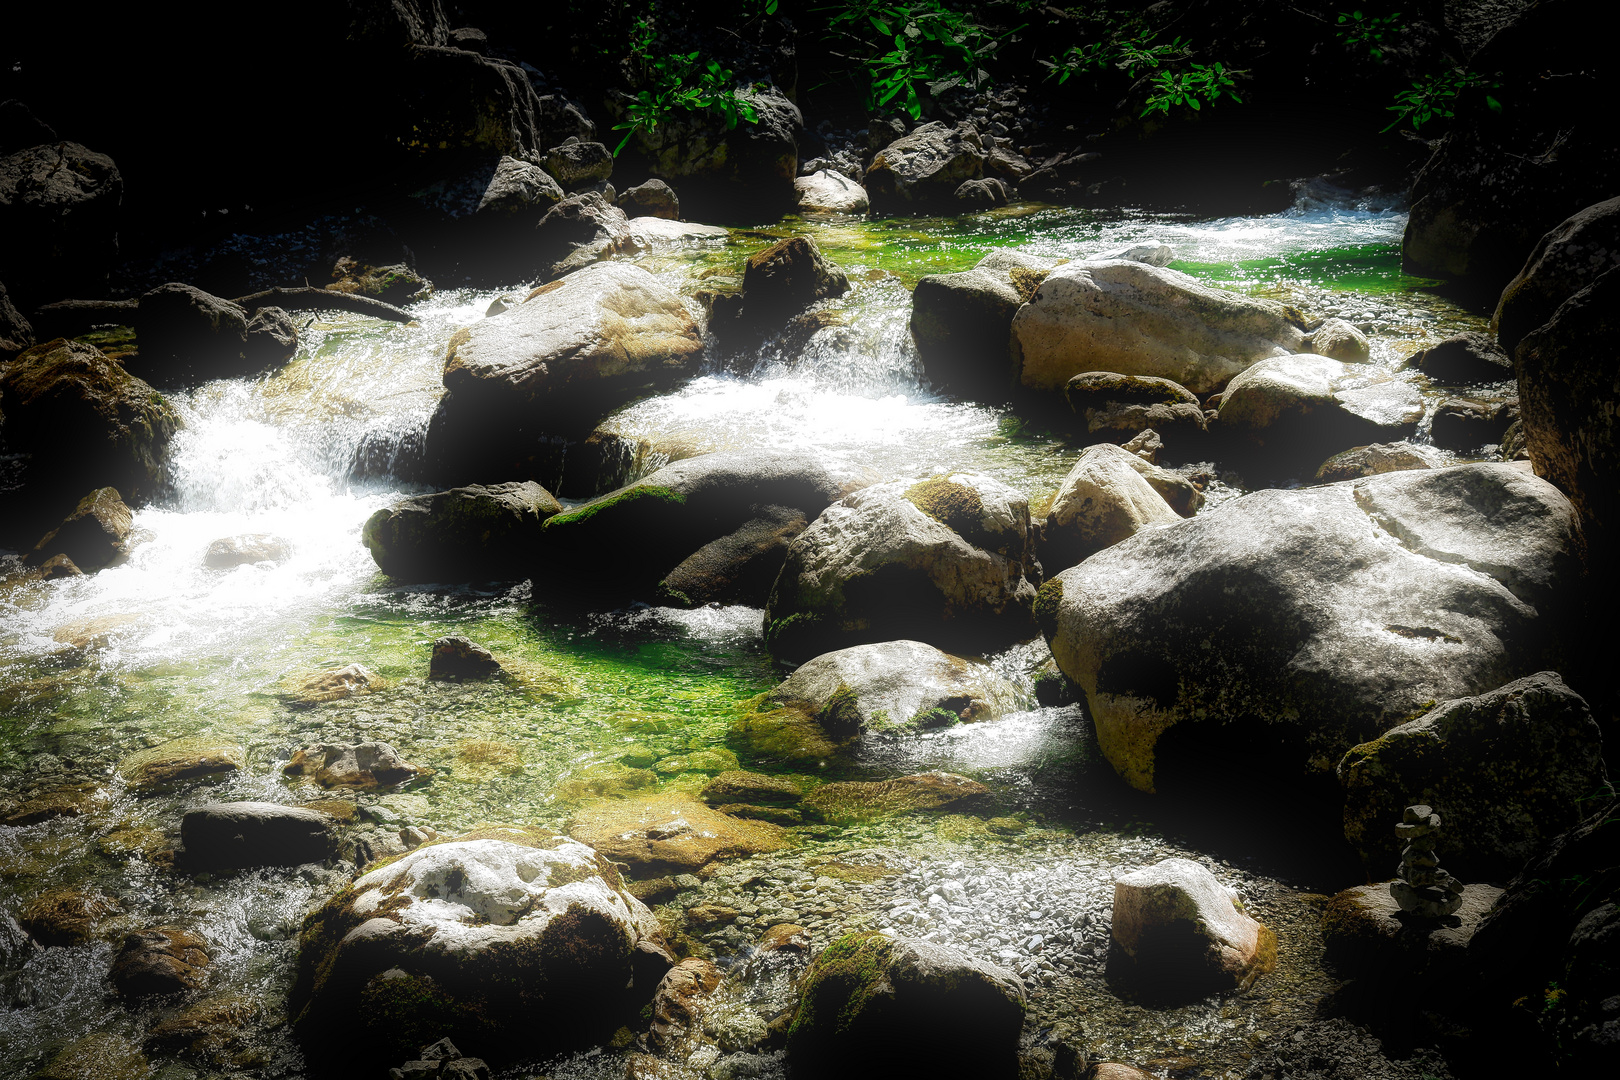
<point>912,53</point>
<point>1359,31</point>
<point>678,82</point>
<point>1199,85</point>
<point>1436,97</point>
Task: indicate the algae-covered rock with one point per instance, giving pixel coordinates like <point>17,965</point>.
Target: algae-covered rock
<point>1509,770</point>
<point>670,833</point>
<point>876,1005</point>
<point>66,916</point>
<point>511,942</point>
<point>103,1056</point>
<point>1180,934</point>
<point>165,960</point>
<point>946,561</point>
<point>712,761</point>
<point>333,684</point>
<point>1115,408</point>
<point>197,757</point>
<point>94,535</point>
<point>469,533</point>
<point>456,658</point>
<point>854,800</point>
<point>739,786</point>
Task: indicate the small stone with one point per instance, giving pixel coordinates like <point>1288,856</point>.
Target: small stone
<point>461,658</point>
<point>166,960</point>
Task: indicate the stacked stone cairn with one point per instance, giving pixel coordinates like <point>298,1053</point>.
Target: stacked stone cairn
<point>1421,888</point>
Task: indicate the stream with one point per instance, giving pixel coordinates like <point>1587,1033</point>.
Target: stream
<point>97,668</point>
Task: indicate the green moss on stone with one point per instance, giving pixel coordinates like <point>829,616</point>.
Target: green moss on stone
<point>617,499</point>
<point>842,982</point>
<point>1047,602</point>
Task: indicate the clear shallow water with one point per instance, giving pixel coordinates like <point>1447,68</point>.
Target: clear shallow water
<point>188,650</point>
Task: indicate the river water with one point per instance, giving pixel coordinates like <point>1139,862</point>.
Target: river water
<point>182,650</point>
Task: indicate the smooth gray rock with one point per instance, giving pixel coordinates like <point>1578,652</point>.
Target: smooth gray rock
<point>580,230</point>
<point>651,198</point>
<point>1296,408</point>
<point>1565,261</point>
<point>239,835</point>
<point>1339,340</point>
<point>577,164</point>
<point>962,322</point>
<point>827,192</point>
<point>1104,499</point>
<point>1334,612</point>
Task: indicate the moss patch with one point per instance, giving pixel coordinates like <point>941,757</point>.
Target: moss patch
<point>842,982</point>
<point>1047,602</point>
<point>619,499</point>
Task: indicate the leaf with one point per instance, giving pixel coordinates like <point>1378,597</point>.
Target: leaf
<point>1494,105</point>
<point>770,7</point>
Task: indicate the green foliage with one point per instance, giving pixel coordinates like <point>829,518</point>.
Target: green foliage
<point>1359,31</point>
<point>1199,85</point>
<point>1132,55</point>
<point>1128,47</point>
<point>1436,97</point>
<point>912,53</point>
<point>678,82</point>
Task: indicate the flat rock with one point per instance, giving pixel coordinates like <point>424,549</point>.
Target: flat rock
<point>333,684</point>
<point>181,760</point>
<point>853,800</point>
<point>234,836</point>
<point>670,833</point>
<point>362,766</point>
<point>1366,935</point>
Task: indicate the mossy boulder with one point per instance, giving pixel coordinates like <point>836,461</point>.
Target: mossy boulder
<point>473,533</point>
<point>850,801</point>
<point>947,561</point>
<point>67,915</point>
<point>962,322</point>
<point>1508,770</point>
<point>509,941</point>
<point>103,1056</point>
<point>876,1005</point>
<point>1364,935</point>
<point>164,960</point>
<point>197,757</point>
<point>1111,407</point>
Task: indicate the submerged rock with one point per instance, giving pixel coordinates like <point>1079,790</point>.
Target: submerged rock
<point>461,658</point>
<point>166,960</point>
<point>474,533</point>
<point>946,561</point>
<point>962,322</point>
<point>1180,934</point>
<point>236,836</point>
<point>180,760</point>
<point>103,1056</point>
<point>362,766</point>
<point>67,916</point>
<point>848,801</point>
<point>876,1005</point>
<point>679,1003</point>
<point>1133,319</point>
<point>1329,613</point>
<point>331,685</point>
<point>670,833</point>
<point>248,549</point>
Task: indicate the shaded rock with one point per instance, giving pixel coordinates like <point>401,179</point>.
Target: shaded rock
<point>362,766</point>
<point>473,533</point>
<point>876,1005</point>
<point>1340,341</point>
<point>828,192</point>
<point>1511,769</point>
<point>74,801</point>
<point>15,332</point>
<point>924,169</point>
<point>578,164</point>
<point>1115,407</point>
<point>848,801</point>
<point>832,699</point>
<point>1179,934</point>
<point>59,211</point>
<point>1296,609</point>
<point>331,685</point>
<point>579,230</point>
<point>650,198</point>
<point>20,128</point>
<point>1464,358</point>
<point>1365,937</point>
<point>601,462</point>
<point>1134,319</point>
<point>942,561</point>
<point>1103,500</point>
<point>713,762</point>
<point>180,760</point>
<point>787,277</point>
<point>188,336</point>
<point>962,322</point>
<point>239,835</point>
<point>449,102</point>
<point>737,568</point>
<point>59,566</point>
<point>102,1056</point>
<point>737,786</point>
<point>94,535</point>
<point>247,550</point>
<point>272,338</point>
<point>213,1031</point>
<point>981,194</point>
<point>1372,460</point>
<point>470,940</point>
<point>670,833</point>
<point>1297,407</point>
<point>1465,425</point>
<point>396,284</point>
<point>166,960</point>
<point>66,916</point>
<point>461,658</point>
<point>678,1003</point>
<point>1564,261</point>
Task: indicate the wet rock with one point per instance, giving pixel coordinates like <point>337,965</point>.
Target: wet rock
<point>828,192</point>
<point>962,322</point>
<point>178,761</point>
<point>1509,769</point>
<point>1337,1049</point>
<point>102,1056</point>
<point>1464,358</point>
<point>165,960</point>
<point>272,338</point>
<point>942,561</point>
<point>578,164</point>
<point>94,535</point>
<point>738,786</point>
<point>66,916</point>
<point>1373,460</point>
<point>1152,252</point>
<point>1179,934</point>
<point>188,336</point>
<point>1338,340</point>
<point>1133,319</point>
<point>656,233</point>
<point>236,836</point>
<point>854,800</point>
<point>473,533</point>
<point>74,801</point>
<point>15,332</point>
<point>720,171</point>
<point>785,938</point>
<point>678,1004</point>
<point>1114,407</point>
<point>651,198</point>
<point>1299,611</point>
<point>249,549</point>
<point>212,1031</point>
<point>471,940</point>
<point>981,194</point>
<point>1297,407</point>
<point>92,634</point>
<point>875,1005</point>
<point>831,700</point>
<point>331,685</point>
<point>1466,425</point>
<point>737,568</point>
<point>85,423</point>
<point>362,766</point>
<point>461,658</point>
<point>924,169</point>
<point>1565,261</point>
<point>787,277</point>
<point>714,762</point>
<point>605,779</point>
<point>1103,500</point>
<point>578,231</point>
<point>59,207</point>
<point>395,284</point>
<point>59,566</point>
<point>670,833</point>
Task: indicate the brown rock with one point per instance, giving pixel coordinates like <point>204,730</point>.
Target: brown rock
<point>65,916</point>
<point>1109,1070</point>
<point>92,633</point>
<point>180,760</point>
<point>776,815</point>
<point>786,277</point>
<point>671,833</point>
<point>679,1000</point>
<point>351,765</point>
<point>855,800</point>
<point>457,658</point>
<point>208,1031</point>
<point>165,960</point>
<point>59,566</point>
<point>63,802</point>
<point>785,937</point>
<point>96,1057</point>
<point>93,535</point>
<point>1372,460</point>
<point>332,685</point>
<point>1364,934</point>
<point>1180,934</point>
<point>740,786</point>
<point>707,915</point>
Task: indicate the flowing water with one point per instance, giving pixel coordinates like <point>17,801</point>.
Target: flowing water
<point>161,647</point>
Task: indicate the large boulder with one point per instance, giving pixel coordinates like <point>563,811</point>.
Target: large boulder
<point>962,322</point>
<point>1470,357</point>
<point>712,527</point>
<point>1116,408</point>
<point>510,942</point>
<point>237,835</point>
<point>1297,408</point>
<point>946,560</point>
<point>833,699</point>
<point>1179,934</point>
<point>577,164</point>
<point>485,214</point>
<point>787,277</point>
<point>1564,261</point>
<point>1103,500</point>
<point>1509,770</point>
<point>1503,176</point>
<point>84,423</point>
<point>555,364</point>
<point>1128,317</point>
<point>474,533</point>
<point>186,335</point>
<point>922,170</point>
<point>447,103</point>
<point>578,231</point>
<point>876,1005</point>
<point>1318,618</point>
<point>828,192</point>
<point>15,332</point>
<point>721,171</point>
<point>59,208</point>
